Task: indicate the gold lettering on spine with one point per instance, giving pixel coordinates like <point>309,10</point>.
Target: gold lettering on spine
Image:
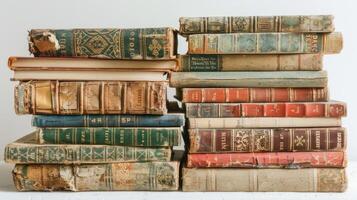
<point>132,43</point>
<point>318,140</point>
<point>339,140</point>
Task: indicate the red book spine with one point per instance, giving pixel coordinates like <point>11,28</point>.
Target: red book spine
<point>253,95</point>
<point>268,160</point>
<point>306,109</point>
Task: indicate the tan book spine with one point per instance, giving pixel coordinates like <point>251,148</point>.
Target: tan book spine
<point>264,180</point>
<point>154,176</point>
<point>263,122</point>
<point>92,97</point>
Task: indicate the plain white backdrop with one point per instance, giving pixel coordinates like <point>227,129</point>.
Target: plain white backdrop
<point>17,17</point>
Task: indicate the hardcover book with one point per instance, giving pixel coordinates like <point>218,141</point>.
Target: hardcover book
<point>256,24</point>
<point>243,95</point>
<point>26,150</point>
<point>144,137</point>
<point>334,109</point>
<point>287,160</point>
<point>264,180</point>
<point>263,122</point>
<point>265,43</point>
<point>250,62</point>
<point>267,140</point>
<point>281,79</point>
<point>168,120</point>
<point>90,97</point>
<point>135,44</point>
<point>156,176</point>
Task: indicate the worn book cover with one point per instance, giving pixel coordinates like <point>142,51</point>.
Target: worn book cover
<point>256,24</point>
<point>135,44</point>
<point>264,180</point>
<point>168,120</point>
<point>90,97</point>
<point>286,160</point>
<point>26,150</point>
<point>155,176</point>
<point>265,43</point>
<point>281,79</point>
<point>222,140</point>
<point>250,62</point>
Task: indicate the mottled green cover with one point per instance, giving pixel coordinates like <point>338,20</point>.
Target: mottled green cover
<point>137,44</point>
<point>145,137</point>
<point>27,151</point>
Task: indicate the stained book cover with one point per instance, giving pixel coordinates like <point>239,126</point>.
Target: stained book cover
<point>141,137</point>
<point>256,24</point>
<point>91,97</point>
<point>265,43</point>
<point>334,109</point>
<point>286,160</point>
<point>267,140</point>
<point>249,62</point>
<point>135,44</point>
<point>155,176</point>
<point>27,151</point>
<point>264,180</point>
<point>168,120</point>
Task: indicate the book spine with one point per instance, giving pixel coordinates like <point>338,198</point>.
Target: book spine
<point>80,154</point>
<point>299,109</point>
<point>252,95</point>
<point>264,180</point>
<point>263,122</point>
<point>265,43</point>
<point>156,176</point>
<point>291,160</point>
<point>273,62</point>
<point>170,120</point>
<point>145,137</point>
<point>256,24</point>
<point>90,97</point>
<point>267,140</point>
<point>135,44</point>
<point>281,79</point>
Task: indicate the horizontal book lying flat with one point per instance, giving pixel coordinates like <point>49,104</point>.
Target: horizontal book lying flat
<point>135,44</point>
<point>26,150</point>
<point>156,176</point>
<point>264,122</point>
<point>222,140</point>
<point>300,79</point>
<point>90,97</point>
<point>237,24</point>
<point>265,43</point>
<point>334,109</point>
<point>242,95</point>
<point>168,120</point>
<point>144,137</point>
<point>62,64</point>
<point>286,160</point>
<point>89,75</point>
<point>264,180</point>
<point>250,62</point>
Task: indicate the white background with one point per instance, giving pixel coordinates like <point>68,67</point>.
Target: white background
<point>17,17</point>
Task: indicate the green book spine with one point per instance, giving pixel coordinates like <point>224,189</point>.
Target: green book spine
<point>256,24</point>
<point>298,79</point>
<point>265,43</point>
<point>146,137</point>
<point>136,44</point>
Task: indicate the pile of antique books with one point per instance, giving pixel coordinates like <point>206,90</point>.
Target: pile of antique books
<point>102,121</point>
<point>256,98</point>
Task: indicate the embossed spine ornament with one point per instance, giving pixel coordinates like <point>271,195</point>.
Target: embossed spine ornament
<point>265,43</point>
<point>157,176</point>
<point>135,44</point>
<point>90,97</point>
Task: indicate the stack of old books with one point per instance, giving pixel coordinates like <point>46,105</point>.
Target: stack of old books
<point>256,98</point>
<point>98,97</point>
